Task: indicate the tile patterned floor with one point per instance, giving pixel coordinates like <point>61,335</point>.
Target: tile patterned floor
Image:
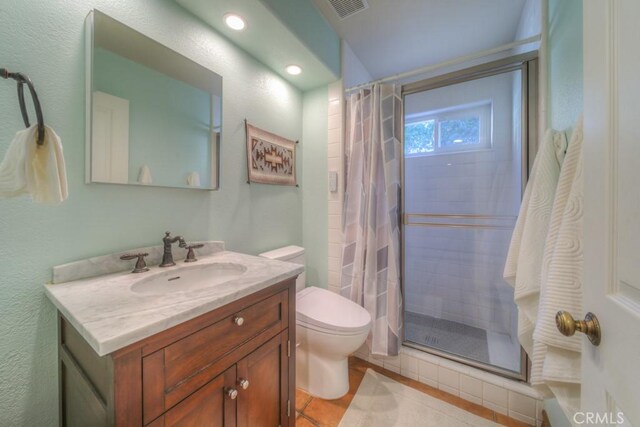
<point>315,412</point>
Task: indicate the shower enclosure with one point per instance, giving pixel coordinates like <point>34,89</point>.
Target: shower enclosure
<point>465,165</point>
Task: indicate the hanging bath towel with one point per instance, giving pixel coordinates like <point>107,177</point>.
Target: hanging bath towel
<point>524,260</point>
<point>38,170</point>
<point>556,360</point>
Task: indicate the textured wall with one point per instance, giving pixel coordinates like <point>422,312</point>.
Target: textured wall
<point>565,63</point>
<point>45,39</point>
<point>311,28</point>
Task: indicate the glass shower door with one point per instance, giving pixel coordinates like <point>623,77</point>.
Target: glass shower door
<point>463,179</point>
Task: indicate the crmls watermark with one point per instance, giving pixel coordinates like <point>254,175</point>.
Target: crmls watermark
<point>599,418</point>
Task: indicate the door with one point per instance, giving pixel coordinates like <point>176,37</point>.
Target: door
<point>213,405</point>
<point>263,379</point>
<point>611,371</point>
<point>110,139</point>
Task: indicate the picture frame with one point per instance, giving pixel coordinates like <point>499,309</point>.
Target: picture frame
<point>271,159</point>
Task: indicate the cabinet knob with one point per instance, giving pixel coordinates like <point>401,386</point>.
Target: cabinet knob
<point>238,320</point>
<point>244,383</point>
<point>232,393</point>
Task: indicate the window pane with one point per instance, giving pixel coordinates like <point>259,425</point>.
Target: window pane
<point>464,131</point>
<point>419,137</point>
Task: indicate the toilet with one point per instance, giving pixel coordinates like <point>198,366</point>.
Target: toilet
<point>329,328</point>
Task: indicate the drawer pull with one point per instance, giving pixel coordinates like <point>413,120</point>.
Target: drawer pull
<point>232,393</point>
<point>244,383</point>
<point>238,320</point>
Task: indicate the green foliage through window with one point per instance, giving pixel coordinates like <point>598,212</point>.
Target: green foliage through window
<point>420,137</point>
<point>463,131</point>
<point>455,129</point>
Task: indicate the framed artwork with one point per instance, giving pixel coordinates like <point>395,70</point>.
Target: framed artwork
<point>271,159</point>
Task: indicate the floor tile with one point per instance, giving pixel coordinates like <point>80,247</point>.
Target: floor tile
<point>302,398</point>
<point>304,422</point>
<point>328,413</point>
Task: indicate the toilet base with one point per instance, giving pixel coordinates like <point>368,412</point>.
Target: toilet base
<point>322,377</point>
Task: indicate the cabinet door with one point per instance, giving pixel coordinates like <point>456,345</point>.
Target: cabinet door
<point>263,403</point>
<point>210,406</point>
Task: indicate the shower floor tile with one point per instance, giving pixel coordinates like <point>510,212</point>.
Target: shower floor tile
<point>451,337</point>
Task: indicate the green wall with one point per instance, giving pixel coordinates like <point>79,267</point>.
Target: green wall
<point>565,63</point>
<point>311,28</point>
<point>564,98</point>
<point>314,194</point>
<point>169,129</point>
<point>45,39</point>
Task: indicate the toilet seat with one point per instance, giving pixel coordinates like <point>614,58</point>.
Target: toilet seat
<point>326,311</point>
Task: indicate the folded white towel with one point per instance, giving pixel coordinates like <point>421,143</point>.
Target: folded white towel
<point>144,176</point>
<point>524,260</point>
<point>38,170</point>
<point>193,179</point>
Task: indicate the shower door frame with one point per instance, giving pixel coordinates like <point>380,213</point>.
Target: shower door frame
<point>527,64</point>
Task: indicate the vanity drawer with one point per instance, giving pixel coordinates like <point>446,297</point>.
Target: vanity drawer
<point>174,372</point>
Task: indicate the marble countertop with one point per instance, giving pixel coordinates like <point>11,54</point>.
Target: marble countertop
<point>110,316</point>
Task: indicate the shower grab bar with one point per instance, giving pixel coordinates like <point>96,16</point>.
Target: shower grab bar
<point>407,221</point>
<point>433,215</point>
<point>435,224</point>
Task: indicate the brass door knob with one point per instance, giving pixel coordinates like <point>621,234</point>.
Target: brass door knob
<point>238,320</point>
<point>568,326</point>
<point>232,393</point>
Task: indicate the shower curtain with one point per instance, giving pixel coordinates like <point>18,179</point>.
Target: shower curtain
<point>371,224</point>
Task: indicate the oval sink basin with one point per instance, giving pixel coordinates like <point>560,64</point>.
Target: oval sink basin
<point>188,279</point>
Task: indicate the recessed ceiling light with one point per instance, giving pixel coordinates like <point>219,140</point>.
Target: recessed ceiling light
<point>294,69</point>
<point>235,22</point>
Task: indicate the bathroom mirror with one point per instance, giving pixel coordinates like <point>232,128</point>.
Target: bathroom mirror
<point>153,115</point>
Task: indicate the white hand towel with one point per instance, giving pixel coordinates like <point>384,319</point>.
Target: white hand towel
<point>38,170</point>
<point>524,260</point>
<point>556,358</point>
<point>193,179</point>
<point>12,169</point>
<point>144,176</point>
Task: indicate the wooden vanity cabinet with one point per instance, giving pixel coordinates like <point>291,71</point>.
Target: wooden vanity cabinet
<point>229,367</point>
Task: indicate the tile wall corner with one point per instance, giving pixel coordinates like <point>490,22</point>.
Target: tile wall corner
<point>335,164</point>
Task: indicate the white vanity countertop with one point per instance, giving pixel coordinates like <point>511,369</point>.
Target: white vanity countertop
<point>110,316</point>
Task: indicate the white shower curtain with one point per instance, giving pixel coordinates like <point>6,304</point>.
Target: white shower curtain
<point>371,229</point>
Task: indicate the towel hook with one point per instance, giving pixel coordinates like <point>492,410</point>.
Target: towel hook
<point>23,79</point>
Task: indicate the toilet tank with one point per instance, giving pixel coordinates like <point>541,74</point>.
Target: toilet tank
<point>294,254</point>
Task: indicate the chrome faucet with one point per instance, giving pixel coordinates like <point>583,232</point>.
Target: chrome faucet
<point>167,256</point>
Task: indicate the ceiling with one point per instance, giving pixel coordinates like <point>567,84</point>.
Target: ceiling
<point>267,38</point>
<point>394,36</point>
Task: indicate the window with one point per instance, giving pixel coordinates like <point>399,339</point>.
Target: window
<point>454,129</point>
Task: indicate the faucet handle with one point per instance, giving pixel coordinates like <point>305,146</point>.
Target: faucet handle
<point>141,265</point>
<point>191,256</point>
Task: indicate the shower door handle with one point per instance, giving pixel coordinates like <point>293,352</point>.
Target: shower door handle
<point>590,326</point>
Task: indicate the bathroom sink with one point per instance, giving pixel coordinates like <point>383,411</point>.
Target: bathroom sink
<point>188,278</point>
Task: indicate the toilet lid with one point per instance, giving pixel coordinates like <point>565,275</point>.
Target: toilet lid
<point>327,310</point>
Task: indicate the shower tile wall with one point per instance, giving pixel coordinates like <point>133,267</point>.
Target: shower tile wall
<point>335,164</point>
